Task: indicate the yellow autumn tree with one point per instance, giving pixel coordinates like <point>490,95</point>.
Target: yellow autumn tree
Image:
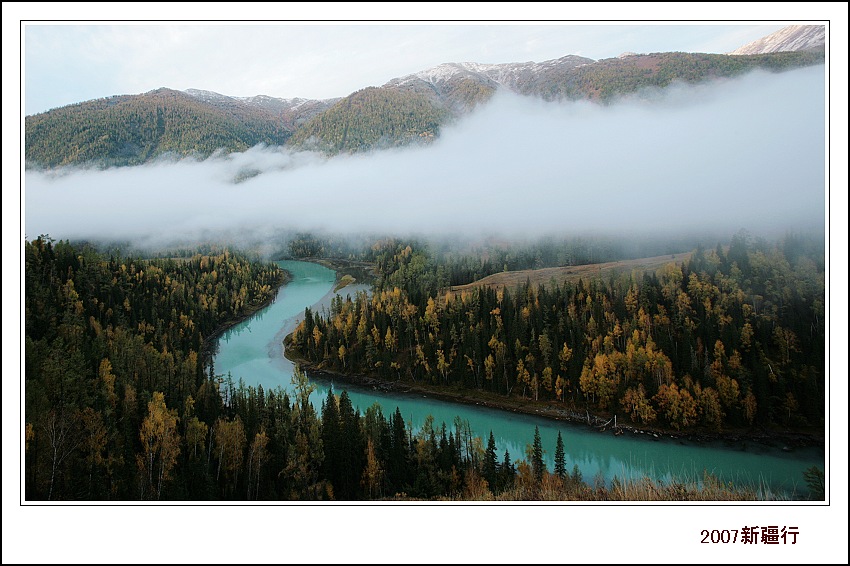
<point>160,447</point>
<point>373,473</point>
<point>256,457</point>
<point>677,405</point>
<point>636,404</point>
<point>230,443</point>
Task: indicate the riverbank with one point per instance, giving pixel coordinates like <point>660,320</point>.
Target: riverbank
<point>207,346</point>
<point>786,440</point>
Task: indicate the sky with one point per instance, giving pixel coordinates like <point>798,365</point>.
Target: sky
<point>70,63</point>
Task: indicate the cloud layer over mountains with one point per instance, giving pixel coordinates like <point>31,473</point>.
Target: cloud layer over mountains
<point>744,153</point>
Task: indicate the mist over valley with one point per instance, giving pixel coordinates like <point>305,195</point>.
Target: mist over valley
<point>741,153</point>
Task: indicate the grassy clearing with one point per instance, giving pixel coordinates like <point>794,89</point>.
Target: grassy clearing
<point>511,279</point>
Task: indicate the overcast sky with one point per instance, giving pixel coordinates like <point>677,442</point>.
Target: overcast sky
<point>67,62</point>
<point>72,63</point>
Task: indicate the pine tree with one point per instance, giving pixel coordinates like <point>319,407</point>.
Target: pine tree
<point>560,460</point>
<point>399,452</point>
<point>537,465</point>
<point>331,439</point>
<point>490,462</point>
<point>352,450</point>
<point>507,473</point>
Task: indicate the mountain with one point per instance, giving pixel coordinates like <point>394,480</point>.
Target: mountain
<point>791,38</point>
<point>131,129</point>
<point>292,112</point>
<point>608,79</point>
<point>372,118</point>
<point>413,108</point>
<point>462,86</point>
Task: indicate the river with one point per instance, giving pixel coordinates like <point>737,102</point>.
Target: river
<point>253,351</point>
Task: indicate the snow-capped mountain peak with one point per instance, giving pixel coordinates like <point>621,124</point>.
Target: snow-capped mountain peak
<point>790,38</point>
<point>509,75</point>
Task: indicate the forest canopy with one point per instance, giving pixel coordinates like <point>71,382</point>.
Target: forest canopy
<point>122,402</point>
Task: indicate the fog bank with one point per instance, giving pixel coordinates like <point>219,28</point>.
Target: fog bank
<point>743,153</point>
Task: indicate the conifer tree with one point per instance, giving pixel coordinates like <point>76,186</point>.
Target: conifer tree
<point>490,462</point>
<point>330,438</point>
<point>560,460</point>
<point>399,452</point>
<point>537,465</point>
<point>507,473</point>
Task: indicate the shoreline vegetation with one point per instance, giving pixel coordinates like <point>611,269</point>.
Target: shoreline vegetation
<point>787,440</point>
<point>574,488</point>
<point>610,423</point>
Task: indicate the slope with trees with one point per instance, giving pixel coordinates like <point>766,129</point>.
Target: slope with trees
<point>372,118</point>
<point>133,129</point>
<point>731,338</point>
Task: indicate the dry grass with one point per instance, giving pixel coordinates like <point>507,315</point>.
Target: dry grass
<point>555,489</point>
<point>511,279</point>
<point>570,489</point>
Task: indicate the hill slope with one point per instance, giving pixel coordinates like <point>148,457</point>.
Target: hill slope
<point>132,129</point>
<point>372,118</point>
<point>511,279</point>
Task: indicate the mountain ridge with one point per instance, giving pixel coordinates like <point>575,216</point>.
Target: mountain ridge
<point>411,109</point>
<point>789,38</point>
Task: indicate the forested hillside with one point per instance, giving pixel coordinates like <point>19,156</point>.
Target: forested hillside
<point>607,79</point>
<point>113,351</point>
<point>372,118</point>
<point>133,129</point>
<point>732,338</point>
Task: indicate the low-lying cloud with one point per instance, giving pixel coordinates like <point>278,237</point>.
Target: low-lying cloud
<point>743,153</point>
